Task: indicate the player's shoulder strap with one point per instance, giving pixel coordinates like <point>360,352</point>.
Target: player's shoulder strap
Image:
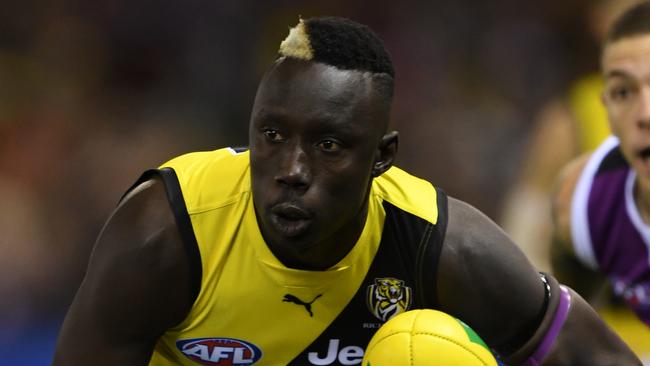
<point>177,204</point>
<point>416,213</point>
<point>428,255</point>
<point>605,157</point>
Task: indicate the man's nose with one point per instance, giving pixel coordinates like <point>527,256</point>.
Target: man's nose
<point>643,118</point>
<point>294,170</point>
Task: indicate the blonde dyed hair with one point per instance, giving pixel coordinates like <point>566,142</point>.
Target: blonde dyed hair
<point>338,42</point>
<point>297,43</point>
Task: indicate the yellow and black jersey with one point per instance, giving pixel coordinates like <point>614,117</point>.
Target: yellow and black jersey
<point>252,310</point>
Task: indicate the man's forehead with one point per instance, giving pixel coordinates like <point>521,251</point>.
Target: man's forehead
<point>315,82</point>
<point>286,69</point>
<point>627,57</point>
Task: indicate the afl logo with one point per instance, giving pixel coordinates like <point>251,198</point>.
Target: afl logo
<point>388,297</point>
<point>219,351</point>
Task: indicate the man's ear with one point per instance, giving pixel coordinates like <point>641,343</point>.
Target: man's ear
<point>386,152</point>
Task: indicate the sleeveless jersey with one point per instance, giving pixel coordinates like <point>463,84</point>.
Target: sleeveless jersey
<point>607,231</point>
<point>252,310</point>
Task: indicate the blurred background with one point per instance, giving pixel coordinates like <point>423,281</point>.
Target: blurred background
<point>94,92</point>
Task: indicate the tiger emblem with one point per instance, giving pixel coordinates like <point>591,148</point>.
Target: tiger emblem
<point>388,297</point>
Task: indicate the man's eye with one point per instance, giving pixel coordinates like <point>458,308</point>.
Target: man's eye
<point>329,146</point>
<point>620,93</point>
<point>272,135</point>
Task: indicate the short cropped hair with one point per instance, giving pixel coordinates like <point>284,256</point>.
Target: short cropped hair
<point>635,21</point>
<point>338,42</point>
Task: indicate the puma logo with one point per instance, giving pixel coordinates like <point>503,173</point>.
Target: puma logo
<point>297,301</point>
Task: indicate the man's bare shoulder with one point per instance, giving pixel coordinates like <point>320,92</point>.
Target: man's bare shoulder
<point>561,198</point>
<point>137,284</point>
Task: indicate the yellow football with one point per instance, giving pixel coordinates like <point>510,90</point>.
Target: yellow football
<point>426,337</point>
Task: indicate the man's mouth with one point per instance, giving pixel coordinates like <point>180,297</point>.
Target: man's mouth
<point>290,211</point>
<point>642,162</point>
<point>645,154</point>
<point>290,219</point>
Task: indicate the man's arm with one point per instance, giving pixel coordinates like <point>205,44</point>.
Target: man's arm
<point>137,285</point>
<point>485,280</point>
<point>566,266</point>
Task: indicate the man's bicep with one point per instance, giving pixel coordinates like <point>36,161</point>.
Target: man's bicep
<point>485,280</point>
<point>134,287</point>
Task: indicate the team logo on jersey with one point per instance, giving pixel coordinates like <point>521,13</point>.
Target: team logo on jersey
<point>388,297</point>
<point>219,351</point>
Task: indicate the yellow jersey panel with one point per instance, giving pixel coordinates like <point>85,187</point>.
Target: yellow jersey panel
<point>407,192</point>
<point>251,309</point>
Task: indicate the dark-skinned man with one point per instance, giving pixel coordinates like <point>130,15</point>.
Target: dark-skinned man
<point>295,251</point>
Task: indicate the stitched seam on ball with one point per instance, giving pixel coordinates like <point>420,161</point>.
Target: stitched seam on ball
<point>412,332</point>
<point>454,342</point>
<point>415,319</point>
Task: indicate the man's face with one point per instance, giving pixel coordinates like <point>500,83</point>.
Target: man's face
<point>314,139</point>
<point>626,67</point>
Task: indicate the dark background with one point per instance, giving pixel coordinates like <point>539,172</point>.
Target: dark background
<point>94,92</point>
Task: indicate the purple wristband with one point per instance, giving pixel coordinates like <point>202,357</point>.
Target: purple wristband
<point>558,321</point>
